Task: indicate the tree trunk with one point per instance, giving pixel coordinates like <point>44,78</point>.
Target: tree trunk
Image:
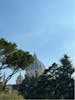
<point>8,78</point>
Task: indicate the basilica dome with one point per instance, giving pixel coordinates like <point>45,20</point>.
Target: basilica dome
<point>36,68</point>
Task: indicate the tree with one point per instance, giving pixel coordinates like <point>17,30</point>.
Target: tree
<point>13,58</point>
<point>0,82</point>
<point>66,66</point>
<point>6,49</point>
<point>66,84</point>
<point>28,87</point>
<point>52,71</point>
<point>0,77</point>
<point>54,83</point>
<point>39,87</point>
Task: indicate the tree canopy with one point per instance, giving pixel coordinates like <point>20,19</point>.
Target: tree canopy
<point>13,58</point>
<point>54,83</point>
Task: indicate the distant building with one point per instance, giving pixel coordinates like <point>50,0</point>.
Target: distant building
<point>19,79</point>
<point>36,68</point>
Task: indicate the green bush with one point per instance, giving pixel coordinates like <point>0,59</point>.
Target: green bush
<point>11,96</point>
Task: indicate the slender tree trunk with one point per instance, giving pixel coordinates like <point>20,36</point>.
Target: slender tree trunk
<point>8,78</point>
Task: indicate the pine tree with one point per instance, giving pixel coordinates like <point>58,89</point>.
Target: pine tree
<point>65,85</point>
<point>55,83</point>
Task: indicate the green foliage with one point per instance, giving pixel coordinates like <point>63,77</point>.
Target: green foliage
<point>20,59</point>
<point>55,83</point>
<point>8,47</point>
<point>66,84</point>
<point>28,87</point>
<point>11,96</point>
<point>13,58</point>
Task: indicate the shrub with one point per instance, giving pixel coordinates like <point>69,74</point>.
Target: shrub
<point>11,96</point>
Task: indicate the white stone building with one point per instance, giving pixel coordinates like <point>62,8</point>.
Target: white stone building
<point>36,68</point>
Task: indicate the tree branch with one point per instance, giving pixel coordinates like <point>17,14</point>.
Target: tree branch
<point>9,77</point>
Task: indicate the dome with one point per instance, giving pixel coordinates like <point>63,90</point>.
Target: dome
<point>37,67</point>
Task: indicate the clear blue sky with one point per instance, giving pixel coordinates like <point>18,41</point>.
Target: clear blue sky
<point>42,26</point>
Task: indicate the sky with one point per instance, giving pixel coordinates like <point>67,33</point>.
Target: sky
<point>45,27</point>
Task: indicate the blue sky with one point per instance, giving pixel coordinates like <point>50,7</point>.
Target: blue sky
<point>42,26</point>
